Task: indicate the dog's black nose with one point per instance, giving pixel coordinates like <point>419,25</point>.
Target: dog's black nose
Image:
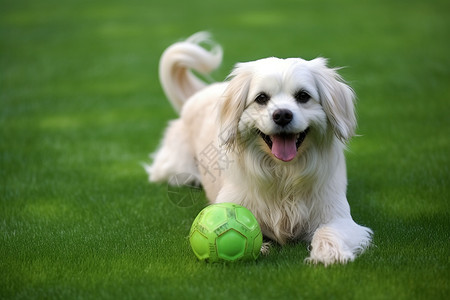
<point>282,117</point>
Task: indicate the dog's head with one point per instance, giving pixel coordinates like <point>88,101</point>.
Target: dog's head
<point>280,104</point>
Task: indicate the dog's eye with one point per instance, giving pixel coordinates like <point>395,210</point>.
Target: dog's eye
<point>302,96</point>
<point>262,98</point>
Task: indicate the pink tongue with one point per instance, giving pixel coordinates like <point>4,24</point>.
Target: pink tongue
<point>284,146</point>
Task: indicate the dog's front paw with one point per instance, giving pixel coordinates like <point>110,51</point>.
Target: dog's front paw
<point>265,248</point>
<point>327,248</point>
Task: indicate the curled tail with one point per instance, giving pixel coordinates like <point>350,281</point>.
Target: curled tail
<point>178,62</point>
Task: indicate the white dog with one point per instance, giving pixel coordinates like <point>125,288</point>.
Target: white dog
<point>271,138</point>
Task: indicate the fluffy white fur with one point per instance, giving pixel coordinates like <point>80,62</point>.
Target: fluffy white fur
<point>300,198</point>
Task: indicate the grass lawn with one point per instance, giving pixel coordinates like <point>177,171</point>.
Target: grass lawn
<point>81,108</point>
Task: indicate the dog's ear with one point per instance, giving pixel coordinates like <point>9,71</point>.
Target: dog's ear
<point>232,104</point>
<point>337,99</point>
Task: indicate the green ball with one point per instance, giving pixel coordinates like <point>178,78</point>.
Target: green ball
<point>225,232</point>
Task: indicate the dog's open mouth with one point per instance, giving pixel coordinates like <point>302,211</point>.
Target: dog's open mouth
<point>284,146</point>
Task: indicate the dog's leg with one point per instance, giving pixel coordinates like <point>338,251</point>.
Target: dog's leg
<point>338,242</point>
<point>174,157</point>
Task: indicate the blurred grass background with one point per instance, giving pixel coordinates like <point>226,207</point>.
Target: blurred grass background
<point>81,107</point>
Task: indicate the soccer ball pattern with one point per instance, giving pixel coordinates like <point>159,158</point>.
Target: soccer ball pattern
<point>225,232</point>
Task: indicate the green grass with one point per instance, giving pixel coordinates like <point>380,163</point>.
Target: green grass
<point>81,108</point>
